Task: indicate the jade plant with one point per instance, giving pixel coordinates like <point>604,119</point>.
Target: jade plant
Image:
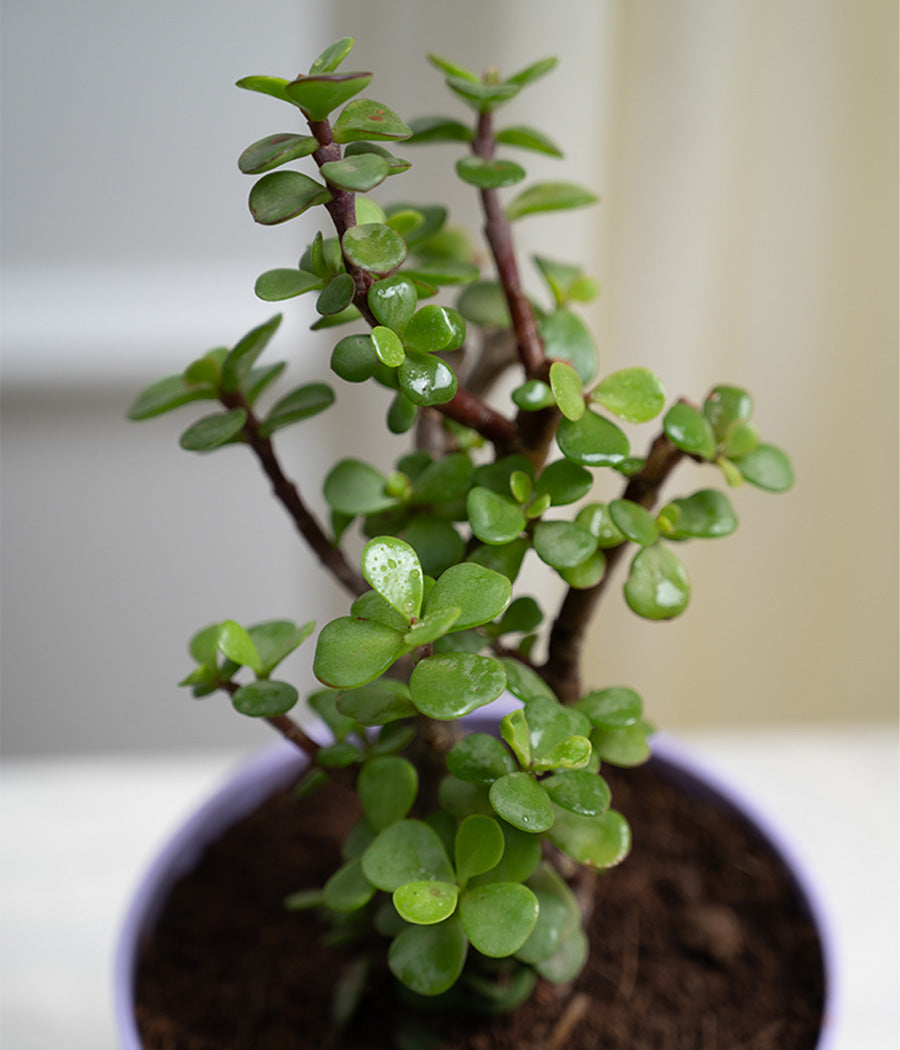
<point>466,866</point>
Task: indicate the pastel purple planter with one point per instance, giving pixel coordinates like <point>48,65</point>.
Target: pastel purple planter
<point>279,763</point>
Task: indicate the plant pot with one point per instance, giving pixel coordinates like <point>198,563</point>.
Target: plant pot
<point>279,764</point>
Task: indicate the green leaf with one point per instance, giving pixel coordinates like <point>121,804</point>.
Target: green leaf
<point>426,902</point>
<point>332,56</point>
<point>393,302</point>
<point>479,759</point>
<point>438,129</point>
<point>431,628</point>
<point>559,916</point>
<point>614,708</point>
<point>425,379</point>
<point>767,467</point>
<point>324,703</point>
<point>592,441</point>
<point>514,730</point>
<point>569,960</point>
<point>479,594</point>
<point>524,683</point>
<point>387,788</point>
<point>240,360</point>
<point>461,799</point>
<point>437,543</point>
<point>726,405</point>
<point>211,432</point>
<point>690,431</point>
<point>450,685</point>
<point>452,69</point>
<point>563,544</point>
<point>402,414</point>
<point>354,359</point>
<point>276,285</point>
<point>317,95</point>
<point>275,150</point>
<point>567,390</point>
<point>626,746</point>
<point>595,517</point>
<point>388,347</point>
<point>707,514</point>
<point>377,703</point>
<point>550,723</point>
<point>528,138</point>
<point>338,756</point>
<point>478,847</point>
<point>564,481</point>
<point>633,394</point>
<point>533,395</point>
<point>483,303</point>
<point>597,842</point>
<point>567,337</point>
<point>265,699</point>
<point>348,889</point>
<point>566,282</point>
<point>283,195</point>
<point>302,403</point>
<point>394,737</point>
<point>524,614</point>
<point>355,488</point>
<point>337,295</point>
<point>742,438</point>
<point>521,855</point>
<point>260,378</point>
<point>572,753</point>
<point>498,917</point>
<point>657,587</point>
<point>482,97</point>
<point>634,521</point>
<point>505,558</point>
<point>443,479</point>
<point>375,247</point>
<point>371,606</point>
<point>396,166</point>
<point>429,959</point>
<point>275,640</point>
<point>433,271</point>
<point>586,574</point>
<point>358,173</point>
<point>364,119</point>
<point>489,174</point>
<point>494,519</point>
<point>578,791</point>
<point>531,73</point>
<point>352,652</point>
<point>434,328</point>
<point>167,394</point>
<point>406,851</point>
<point>548,196</point>
<point>392,568</point>
<point>522,802</point>
<point>236,644</point>
<point>274,86</point>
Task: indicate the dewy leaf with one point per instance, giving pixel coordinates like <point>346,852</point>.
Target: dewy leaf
<point>355,488</point>
<point>567,337</point>
<point>567,390</point>
<point>393,302</point>
<point>275,150</point>
<point>767,467</point>
<point>319,94</point>
<point>498,917</point>
<point>406,851</point>
<point>596,842</point>
<point>438,129</point>
<point>392,568</point>
<point>426,902</point>
<point>707,514</point>
<point>378,703</point>
<point>375,247</point>
<point>494,519</point>
<point>479,759</point>
<point>429,959</point>
<point>235,643</point>
<point>282,283</point>
<point>166,394</point>
<point>690,431</point>
<point>283,195</point>
<point>478,846</point>
<point>634,521</point>
<point>657,587</point>
<point>358,173</point>
<point>387,788</point>
<point>264,699</point>
<point>551,723</point>
<point>352,652</point>
<point>302,403</point>
<point>528,138</point>
<point>579,791</point>
<point>477,593</point>
<point>426,379</point>
<point>489,174</point>
<point>213,431</point>
<point>592,441</point>
<point>549,196</point>
<point>363,119</point>
<point>522,802</point>
<point>332,56</point>
<point>450,685</point>
<point>633,394</point>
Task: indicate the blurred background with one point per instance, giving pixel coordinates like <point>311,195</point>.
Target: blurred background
<point>746,155</point>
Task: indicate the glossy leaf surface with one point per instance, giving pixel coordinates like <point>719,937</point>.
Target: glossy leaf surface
<point>657,587</point>
<point>354,358</point>
<point>633,394</point>
<point>634,521</point>
<point>276,639</point>
<point>449,685</point>
<point>707,514</point>
<point>393,302</point>
<point>479,759</point>
<point>564,481</point>
<point>319,94</point>
<point>275,285</point>
<point>426,379</point>
<point>406,851</point>
<point>726,405</point>
<point>597,842</point>
<point>377,703</point>
<point>566,336</point>
<point>567,390</point>
<point>358,173</point>
<point>392,568</point>
<point>522,802</point>
<point>352,652</point>
<point>478,846</point>
<point>426,902</point>
<point>563,544</point>
<point>353,487</point>
<point>592,441</point>
<point>480,594</point>
<point>375,247</point>
<point>690,431</point>
<point>283,195</point>
<point>612,708</point>
<point>387,345</point>
<point>275,150</point>
<point>265,698</point>
<point>494,519</point>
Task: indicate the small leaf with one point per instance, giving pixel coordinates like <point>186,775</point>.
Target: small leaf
<point>378,703</point>
<point>452,69</point>
<point>532,396</point>
<point>352,652</point>
<point>265,699</point>
<point>213,431</point>
<point>283,195</point>
<point>387,788</point>
<point>548,196</point>
<point>354,359</point>
<point>707,514</point>
<point>438,129</point>
<point>567,390</point>
<point>332,56</point>
<point>633,394</point>
<point>425,379</point>
<point>531,73</point>
<point>572,753</point>
<point>525,683</point>
<point>434,328</point>
<point>276,285</point>
<point>478,847</point>
<point>505,558</point>
<point>626,746</point>
<point>431,628</point>
<point>358,173</point>
<point>392,568</point>
<point>426,902</point>
<point>375,247</point>
<point>657,587</point>
<point>277,639</point>
<point>522,802</point>
<point>528,138</point>
<point>443,479</point>
<point>235,643</point>
<point>690,431</point>
<point>592,441</point>
<point>437,270</point>
<point>450,685</point>
<point>494,519</point>
<point>406,851</point>
<point>353,487</point>
<point>479,594</point>
<point>317,95</point>
<point>521,855</point>
<point>634,521</point>
<point>564,481</point>
<point>742,437</point>
<point>480,96</point>
<point>579,791</point>
<point>498,917</point>
<point>337,295</point>
<point>514,730</point>
<point>437,543</point>
<point>479,759</point>
<point>614,708</point>
<point>393,302</point>
<point>725,406</point>
<point>429,959</point>
<point>767,467</point>
<point>483,303</point>
<point>597,842</point>
<point>364,119</point>
<point>348,889</point>
<point>569,960</point>
<point>240,360</point>
<point>559,916</point>
<point>586,574</point>
<point>388,347</point>
<point>489,174</point>
<point>396,166</point>
<point>371,606</point>
<point>563,544</point>
<point>275,150</point>
<point>551,723</point>
<point>567,337</point>
<point>595,517</point>
<point>274,86</point>
<point>167,394</point>
<point>302,403</point>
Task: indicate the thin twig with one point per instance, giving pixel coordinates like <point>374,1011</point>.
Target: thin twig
<point>575,1010</point>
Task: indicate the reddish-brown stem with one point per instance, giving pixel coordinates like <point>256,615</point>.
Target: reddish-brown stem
<point>562,669</point>
<point>285,725</point>
<point>286,493</point>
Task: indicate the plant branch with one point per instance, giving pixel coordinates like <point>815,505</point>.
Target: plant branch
<point>331,557</point>
<point>562,669</point>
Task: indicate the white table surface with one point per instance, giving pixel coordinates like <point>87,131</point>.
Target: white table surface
<point>76,835</point>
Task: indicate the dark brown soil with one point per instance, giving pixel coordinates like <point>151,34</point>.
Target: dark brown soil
<point>700,942</point>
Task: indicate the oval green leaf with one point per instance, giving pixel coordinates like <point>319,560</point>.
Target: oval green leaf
<point>657,587</point>
<point>592,441</point>
<point>275,150</point>
<point>479,759</point>
<point>358,174</point>
<point>283,195</point>
<point>612,708</point>
<point>563,544</point>
<point>353,487</point>
<point>522,802</point>
<point>597,842</point>
<point>494,519</point>
<point>498,917</point>
<point>567,390</point>
<point>489,174</point>
<point>767,467</point>
<point>351,652</point>
<point>549,196</point>
<point>392,568</point>
<point>363,119</point>
<point>304,402</point>
<point>690,431</point>
<point>478,846</point>
<point>449,685</point>
<point>275,285</point>
<point>426,902</point>
<point>425,379</point>
<point>211,432</point>
<point>374,247</point>
<point>387,788</point>
<point>319,94</point>
<point>265,699</point>
<point>348,889</point>
<point>707,514</point>
<point>633,394</point>
<point>407,851</point>
<point>634,521</point>
<point>429,959</point>
<point>579,791</point>
<point>480,594</point>
<point>393,302</point>
<point>377,703</point>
